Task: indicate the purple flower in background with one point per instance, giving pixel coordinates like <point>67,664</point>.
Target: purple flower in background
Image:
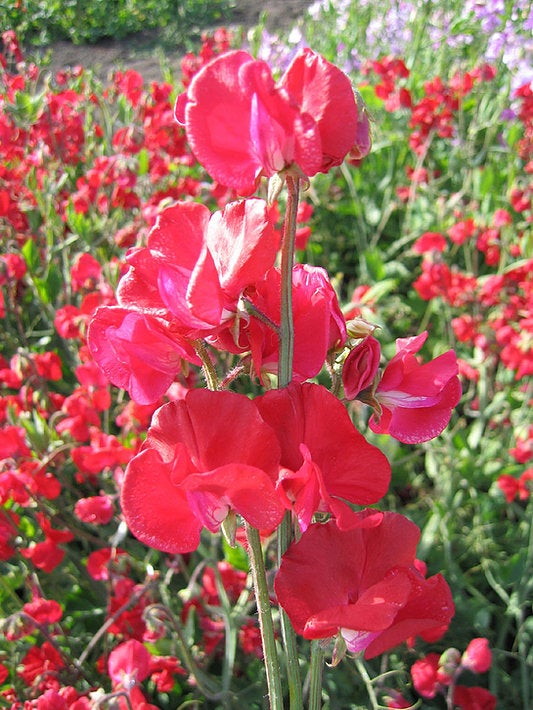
<point>280,53</point>
<point>489,12</point>
<point>390,31</point>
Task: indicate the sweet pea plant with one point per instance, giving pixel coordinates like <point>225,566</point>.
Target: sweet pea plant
<point>261,488</point>
<point>281,459</point>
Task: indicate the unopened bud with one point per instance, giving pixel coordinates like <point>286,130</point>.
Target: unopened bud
<point>361,367</point>
<point>478,656</point>
<point>359,328</point>
<point>448,664</point>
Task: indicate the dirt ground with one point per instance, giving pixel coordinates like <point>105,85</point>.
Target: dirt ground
<point>139,53</point>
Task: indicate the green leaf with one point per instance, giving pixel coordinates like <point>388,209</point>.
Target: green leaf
<point>50,286</point>
<point>31,256</point>
<point>236,556</point>
<point>143,162</point>
<point>375,265</point>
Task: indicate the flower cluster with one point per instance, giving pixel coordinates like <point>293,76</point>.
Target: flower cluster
<point>214,454</point>
<point>201,287</point>
<point>436,674</point>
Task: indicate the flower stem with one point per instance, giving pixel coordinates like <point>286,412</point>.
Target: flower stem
<point>286,346</point>
<point>286,350</point>
<point>208,369</point>
<point>262,597</point>
<point>315,675</point>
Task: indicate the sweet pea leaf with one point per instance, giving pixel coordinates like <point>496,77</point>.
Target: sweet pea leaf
<point>31,255</point>
<point>375,265</point>
<point>143,159</point>
<point>236,556</point>
<point>50,286</point>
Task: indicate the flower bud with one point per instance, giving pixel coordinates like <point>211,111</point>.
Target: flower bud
<point>448,664</point>
<point>363,137</point>
<point>478,656</point>
<point>359,328</point>
<point>360,367</point>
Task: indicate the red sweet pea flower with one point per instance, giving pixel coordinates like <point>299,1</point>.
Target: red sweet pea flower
<point>325,460</point>
<point>361,583</point>
<point>478,656</point>
<point>43,611</point>
<point>204,457</point>
<point>424,673</point>
<point>429,242</point>
<point>361,367</point>
<point>319,325</point>
<point>97,510</point>
<point>416,400</point>
<point>128,664</point>
<point>137,352</point>
<point>473,698</point>
<point>241,124</point>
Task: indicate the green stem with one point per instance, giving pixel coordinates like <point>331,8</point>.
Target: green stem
<point>209,371</point>
<point>286,345</point>
<point>315,675</point>
<point>266,625</point>
<point>205,684</point>
<point>287,631</point>
<point>286,350</point>
<point>368,683</point>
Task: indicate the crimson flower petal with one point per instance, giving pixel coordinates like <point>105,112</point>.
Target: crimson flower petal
<point>136,353</point>
<point>362,583</point>
<point>217,116</point>
<point>203,456</point>
<point>243,242</point>
<point>352,469</point>
<point>236,487</point>
<point>157,511</point>
<point>324,93</point>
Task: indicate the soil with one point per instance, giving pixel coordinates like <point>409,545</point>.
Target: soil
<point>143,52</point>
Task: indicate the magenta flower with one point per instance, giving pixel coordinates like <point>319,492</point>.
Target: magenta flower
<point>137,352</point>
<point>361,367</point>
<point>325,461</point>
<point>206,456</point>
<point>196,264</point>
<point>362,584</point>
<point>241,124</point>
<point>319,326</point>
<point>416,400</point>
<point>185,284</point>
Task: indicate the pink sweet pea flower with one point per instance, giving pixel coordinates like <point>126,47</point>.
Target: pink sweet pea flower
<point>319,325</point>
<point>186,284</point>
<point>325,460</point>
<point>137,352</point>
<point>473,698</point>
<point>361,584</point>
<point>197,264</point>
<point>361,367</point>
<point>416,400</point>
<point>241,124</point>
<point>206,456</point>
<point>478,656</point>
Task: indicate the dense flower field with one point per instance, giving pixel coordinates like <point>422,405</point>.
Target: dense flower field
<point>211,457</point>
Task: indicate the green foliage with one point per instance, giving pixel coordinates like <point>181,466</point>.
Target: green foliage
<point>40,22</point>
<point>363,233</point>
